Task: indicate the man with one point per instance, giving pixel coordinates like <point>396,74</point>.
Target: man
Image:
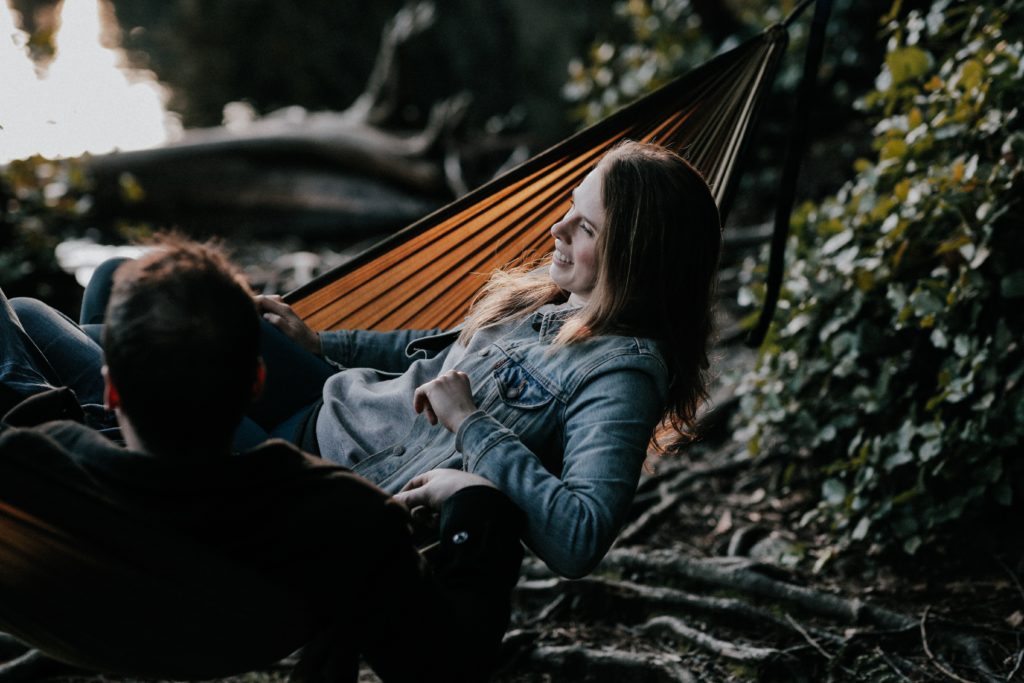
<point>181,344</point>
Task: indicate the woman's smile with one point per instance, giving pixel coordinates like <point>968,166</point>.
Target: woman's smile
<point>574,262</point>
<point>561,258</point>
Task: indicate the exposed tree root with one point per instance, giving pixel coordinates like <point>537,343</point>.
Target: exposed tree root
<point>33,665</point>
<point>664,500</point>
<point>657,599</point>
<point>647,601</point>
<point>576,662</point>
<point>741,653</point>
<point>11,647</point>
<point>747,576</point>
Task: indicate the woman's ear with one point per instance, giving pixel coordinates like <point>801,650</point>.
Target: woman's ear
<point>111,398</point>
<point>261,379</point>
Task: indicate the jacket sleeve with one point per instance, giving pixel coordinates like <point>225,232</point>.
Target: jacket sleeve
<point>572,520</point>
<point>368,349</point>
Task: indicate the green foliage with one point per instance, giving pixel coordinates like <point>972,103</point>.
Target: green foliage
<point>664,40</point>
<point>895,363</point>
<point>43,202</point>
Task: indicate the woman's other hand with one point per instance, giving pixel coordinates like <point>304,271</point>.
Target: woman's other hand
<point>447,399</point>
<point>431,489</point>
<point>280,315</point>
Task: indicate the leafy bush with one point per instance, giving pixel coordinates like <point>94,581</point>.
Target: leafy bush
<point>896,360</point>
<point>41,203</point>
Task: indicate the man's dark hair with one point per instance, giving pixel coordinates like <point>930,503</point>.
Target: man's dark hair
<point>181,342</point>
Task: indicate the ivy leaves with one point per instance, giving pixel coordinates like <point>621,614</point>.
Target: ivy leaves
<point>895,363</point>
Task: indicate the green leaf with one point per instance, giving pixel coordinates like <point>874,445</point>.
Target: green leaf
<point>911,545</point>
<point>833,491</point>
<point>907,63</point>
<point>925,303</point>
<point>1003,493</point>
<point>971,74</point>
<point>930,449</point>
<point>861,530</point>
<point>897,459</point>
<point>893,149</point>
<point>1012,286</point>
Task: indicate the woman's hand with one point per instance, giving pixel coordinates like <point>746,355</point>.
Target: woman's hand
<point>431,489</point>
<point>280,315</point>
<point>447,399</point>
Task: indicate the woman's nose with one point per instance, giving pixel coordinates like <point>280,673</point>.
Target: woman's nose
<point>560,230</point>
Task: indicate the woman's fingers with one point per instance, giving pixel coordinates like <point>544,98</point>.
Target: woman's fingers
<point>433,488</point>
<point>415,492</point>
<point>421,404</point>
<point>448,399</point>
<point>416,482</point>
<point>413,498</point>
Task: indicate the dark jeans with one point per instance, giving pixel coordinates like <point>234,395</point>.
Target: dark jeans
<point>41,348</point>
<point>295,383</point>
<point>47,349</point>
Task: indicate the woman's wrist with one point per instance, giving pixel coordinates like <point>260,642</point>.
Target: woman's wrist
<point>460,418</point>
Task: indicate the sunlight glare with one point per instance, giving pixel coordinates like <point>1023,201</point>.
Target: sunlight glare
<point>85,102</point>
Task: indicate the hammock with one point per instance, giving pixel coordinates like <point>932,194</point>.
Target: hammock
<point>426,275</point>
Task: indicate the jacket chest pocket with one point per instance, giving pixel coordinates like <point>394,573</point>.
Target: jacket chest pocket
<point>526,404</point>
<point>518,388</point>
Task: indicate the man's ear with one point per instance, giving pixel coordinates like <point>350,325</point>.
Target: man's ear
<point>260,382</point>
<point>111,398</point>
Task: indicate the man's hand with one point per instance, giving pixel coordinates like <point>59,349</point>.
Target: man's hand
<point>280,315</point>
<point>447,399</point>
<point>431,489</point>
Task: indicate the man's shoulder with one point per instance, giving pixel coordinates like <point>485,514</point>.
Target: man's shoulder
<point>52,452</point>
<point>66,436</point>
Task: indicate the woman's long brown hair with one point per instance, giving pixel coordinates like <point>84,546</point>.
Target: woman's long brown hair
<point>658,256</point>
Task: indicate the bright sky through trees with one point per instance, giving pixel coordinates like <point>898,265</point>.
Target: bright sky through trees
<point>84,101</point>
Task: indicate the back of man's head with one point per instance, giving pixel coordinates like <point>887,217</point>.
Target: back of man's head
<point>181,343</point>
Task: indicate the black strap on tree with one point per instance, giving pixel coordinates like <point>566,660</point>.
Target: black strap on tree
<point>791,168</point>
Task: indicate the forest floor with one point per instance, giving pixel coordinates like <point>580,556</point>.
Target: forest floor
<point>715,579</point>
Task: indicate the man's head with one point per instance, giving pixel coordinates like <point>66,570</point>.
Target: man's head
<point>181,343</point>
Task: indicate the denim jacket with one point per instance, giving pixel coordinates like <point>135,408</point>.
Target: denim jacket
<point>562,431</point>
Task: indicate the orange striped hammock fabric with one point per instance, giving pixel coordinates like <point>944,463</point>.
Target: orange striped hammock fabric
<point>73,582</point>
<point>426,275</point>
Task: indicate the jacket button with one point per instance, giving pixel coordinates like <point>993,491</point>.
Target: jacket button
<point>486,351</point>
<point>512,393</point>
<point>460,537</point>
<point>399,450</point>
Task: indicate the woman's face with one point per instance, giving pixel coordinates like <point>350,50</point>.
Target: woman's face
<point>574,264</point>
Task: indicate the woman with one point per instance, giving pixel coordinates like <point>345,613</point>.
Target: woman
<point>552,387</point>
